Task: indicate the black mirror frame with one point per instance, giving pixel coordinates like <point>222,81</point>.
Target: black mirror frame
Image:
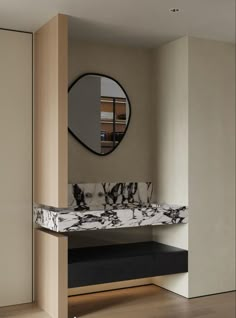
<point>128,122</point>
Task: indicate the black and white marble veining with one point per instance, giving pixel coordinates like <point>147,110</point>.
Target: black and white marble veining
<point>106,195</point>
<point>68,220</point>
<point>109,206</point>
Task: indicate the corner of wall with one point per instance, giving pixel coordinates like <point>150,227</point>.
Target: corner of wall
<point>170,162</point>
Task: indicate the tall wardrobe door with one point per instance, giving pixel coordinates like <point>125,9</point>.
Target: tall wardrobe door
<point>15,168</point>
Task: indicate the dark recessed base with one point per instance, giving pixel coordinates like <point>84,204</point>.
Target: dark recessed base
<point>105,264</point>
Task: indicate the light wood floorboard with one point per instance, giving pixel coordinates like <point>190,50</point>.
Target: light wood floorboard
<point>139,302</point>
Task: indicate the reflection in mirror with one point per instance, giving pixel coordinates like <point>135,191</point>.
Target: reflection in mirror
<point>99,112</point>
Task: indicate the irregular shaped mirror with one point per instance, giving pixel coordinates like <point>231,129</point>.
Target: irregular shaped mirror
<point>99,112</point>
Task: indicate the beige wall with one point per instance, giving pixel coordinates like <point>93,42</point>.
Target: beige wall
<point>50,113</point>
<point>170,97</point>
<point>170,137</point>
<point>131,161</point>
<point>15,168</point>
<point>211,167</point>
<point>195,159</point>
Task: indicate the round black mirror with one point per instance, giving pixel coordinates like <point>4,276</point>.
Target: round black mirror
<point>99,112</point>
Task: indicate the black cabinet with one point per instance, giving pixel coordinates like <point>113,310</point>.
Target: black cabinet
<point>105,264</point>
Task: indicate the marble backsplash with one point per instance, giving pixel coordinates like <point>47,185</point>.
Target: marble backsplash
<point>106,196</point>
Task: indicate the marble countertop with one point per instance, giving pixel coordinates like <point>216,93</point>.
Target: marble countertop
<point>120,216</point>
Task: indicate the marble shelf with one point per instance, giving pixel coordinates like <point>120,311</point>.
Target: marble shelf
<point>68,220</point>
<point>101,206</point>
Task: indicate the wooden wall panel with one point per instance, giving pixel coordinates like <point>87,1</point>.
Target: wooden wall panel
<point>51,254</point>
<point>109,286</point>
<point>50,113</point>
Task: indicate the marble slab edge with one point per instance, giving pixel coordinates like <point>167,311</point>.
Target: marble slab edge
<point>67,220</point>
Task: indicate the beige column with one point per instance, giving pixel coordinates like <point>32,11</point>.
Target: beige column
<point>50,113</point>
<point>51,273</point>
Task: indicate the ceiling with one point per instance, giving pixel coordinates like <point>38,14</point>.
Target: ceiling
<point>146,23</point>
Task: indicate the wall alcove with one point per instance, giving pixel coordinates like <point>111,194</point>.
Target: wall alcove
<point>171,98</point>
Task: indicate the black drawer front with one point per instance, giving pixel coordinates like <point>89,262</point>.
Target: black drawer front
<point>107,271</point>
<point>170,263</point>
<point>98,265</point>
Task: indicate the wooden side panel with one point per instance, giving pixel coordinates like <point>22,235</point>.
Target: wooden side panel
<point>51,273</point>
<point>50,113</point>
<point>109,286</point>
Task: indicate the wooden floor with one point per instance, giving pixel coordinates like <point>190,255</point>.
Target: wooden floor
<point>140,302</point>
